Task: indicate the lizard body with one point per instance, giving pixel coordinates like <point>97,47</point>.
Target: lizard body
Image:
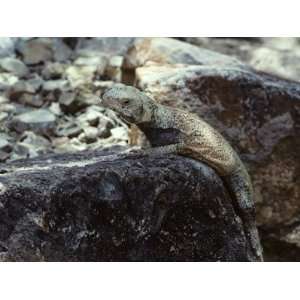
<point>170,130</point>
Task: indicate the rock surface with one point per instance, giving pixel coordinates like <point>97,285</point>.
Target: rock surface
<point>41,121</point>
<point>171,51</point>
<point>260,116</point>
<point>277,56</point>
<point>88,207</point>
<point>228,81</point>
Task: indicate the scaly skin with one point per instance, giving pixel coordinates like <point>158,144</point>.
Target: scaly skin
<point>172,130</point>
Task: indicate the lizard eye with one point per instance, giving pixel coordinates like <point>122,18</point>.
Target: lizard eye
<point>126,102</point>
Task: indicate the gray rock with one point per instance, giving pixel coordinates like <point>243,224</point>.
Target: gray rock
<point>171,51</point>
<point>41,50</point>
<point>90,134</point>
<point>107,45</point>
<point>7,46</point>
<point>40,121</point>
<point>68,129</point>
<point>80,75</point>
<point>35,81</point>
<point>68,103</point>
<point>24,92</point>
<point>4,156</point>
<point>62,52</point>
<point>7,80</point>
<point>72,208</point>
<point>59,84</point>
<point>119,134</point>
<point>53,70</point>
<point>14,66</point>
<point>3,116</point>
<point>114,68</point>
<point>278,56</point>
<point>36,50</point>
<point>5,145</point>
<point>283,63</point>
<point>31,100</point>
<point>99,61</point>
<point>30,145</point>
<point>8,108</point>
<point>3,99</point>
<point>55,109</point>
<point>92,115</point>
<point>73,102</point>
<point>21,87</point>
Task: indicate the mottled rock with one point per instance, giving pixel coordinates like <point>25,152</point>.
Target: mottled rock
<point>7,46</point>
<point>4,156</point>
<point>55,109</point>
<point>53,70</point>
<point>7,80</point>
<point>75,207</point>
<point>80,75</point>
<point>5,145</point>
<point>114,68</point>
<point>29,146</point>
<point>108,45</point>
<point>14,66</point>
<point>3,116</point>
<point>73,102</point>
<point>92,116</point>
<point>98,62</point>
<point>36,50</point>
<point>278,56</point>
<point>260,116</point>
<point>283,63</point>
<point>6,107</point>
<point>58,84</point>
<point>119,133</point>
<point>40,50</point>
<point>171,51</point>
<point>24,92</point>
<point>3,99</point>
<point>90,134</point>
<point>69,129</point>
<point>32,100</point>
<point>67,102</point>
<point>40,121</point>
<point>21,87</point>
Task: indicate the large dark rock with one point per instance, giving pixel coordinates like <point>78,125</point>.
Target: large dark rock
<point>87,207</point>
<point>260,115</point>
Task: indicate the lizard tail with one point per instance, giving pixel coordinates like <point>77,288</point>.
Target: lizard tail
<point>240,188</point>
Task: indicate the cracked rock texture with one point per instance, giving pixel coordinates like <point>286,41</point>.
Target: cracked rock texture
<point>90,207</point>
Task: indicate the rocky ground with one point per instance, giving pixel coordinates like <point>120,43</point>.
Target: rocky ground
<point>248,88</point>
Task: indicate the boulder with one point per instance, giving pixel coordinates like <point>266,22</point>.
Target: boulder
<point>258,113</point>
<point>171,51</point>
<point>277,56</point>
<point>92,206</point>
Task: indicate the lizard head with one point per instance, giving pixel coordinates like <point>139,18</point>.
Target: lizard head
<point>129,103</point>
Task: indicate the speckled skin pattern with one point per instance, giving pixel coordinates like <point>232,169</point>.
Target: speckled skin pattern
<point>172,130</point>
